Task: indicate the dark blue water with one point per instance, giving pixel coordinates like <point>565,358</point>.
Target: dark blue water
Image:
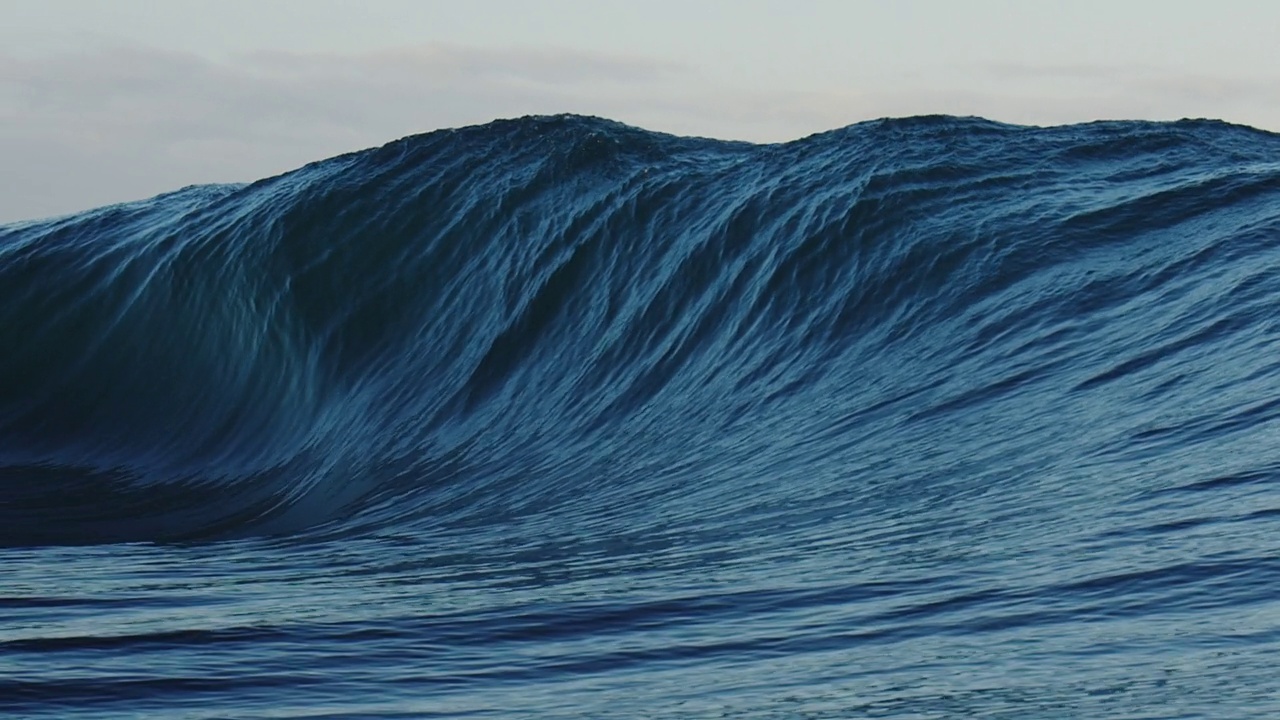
<point>555,417</point>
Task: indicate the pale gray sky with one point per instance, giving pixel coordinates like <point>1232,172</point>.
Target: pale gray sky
<point>103,101</point>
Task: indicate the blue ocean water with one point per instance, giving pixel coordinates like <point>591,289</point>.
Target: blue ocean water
<point>555,417</point>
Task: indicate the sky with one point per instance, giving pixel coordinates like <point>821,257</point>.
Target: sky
<point>108,101</point>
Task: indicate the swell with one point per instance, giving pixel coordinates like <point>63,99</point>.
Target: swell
<point>557,312</point>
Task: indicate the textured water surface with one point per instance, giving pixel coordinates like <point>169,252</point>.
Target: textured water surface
<point>556,417</point>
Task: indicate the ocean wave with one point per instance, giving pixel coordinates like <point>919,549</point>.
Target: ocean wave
<point>569,313</point>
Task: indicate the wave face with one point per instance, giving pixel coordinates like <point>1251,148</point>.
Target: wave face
<point>930,417</point>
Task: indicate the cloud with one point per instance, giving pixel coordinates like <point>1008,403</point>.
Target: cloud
<point>1141,92</point>
<point>116,124</point>
<point>113,124</point>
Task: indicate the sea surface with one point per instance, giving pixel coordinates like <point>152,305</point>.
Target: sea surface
<point>555,417</point>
